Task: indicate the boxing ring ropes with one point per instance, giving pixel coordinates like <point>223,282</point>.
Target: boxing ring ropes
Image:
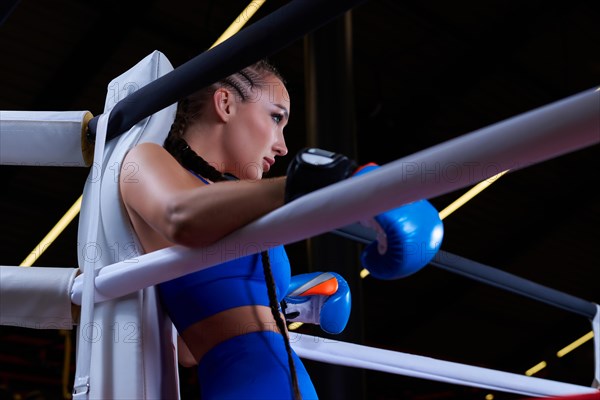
<point>527,139</point>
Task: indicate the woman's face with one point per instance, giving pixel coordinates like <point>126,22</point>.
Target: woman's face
<point>254,134</point>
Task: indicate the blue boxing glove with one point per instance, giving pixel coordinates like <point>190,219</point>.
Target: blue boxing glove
<point>408,237</point>
<point>321,298</point>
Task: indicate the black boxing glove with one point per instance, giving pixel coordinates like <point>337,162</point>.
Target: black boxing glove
<point>313,169</point>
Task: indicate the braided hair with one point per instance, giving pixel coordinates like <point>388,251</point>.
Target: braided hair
<point>190,108</point>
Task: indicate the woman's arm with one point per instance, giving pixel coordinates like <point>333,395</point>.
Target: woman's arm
<point>185,211</point>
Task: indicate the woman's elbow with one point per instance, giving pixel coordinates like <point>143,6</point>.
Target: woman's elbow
<point>176,225</point>
<point>183,228</point>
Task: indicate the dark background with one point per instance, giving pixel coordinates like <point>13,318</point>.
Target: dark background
<point>419,73</point>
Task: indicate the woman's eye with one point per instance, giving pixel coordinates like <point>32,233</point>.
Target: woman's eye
<point>277,117</point>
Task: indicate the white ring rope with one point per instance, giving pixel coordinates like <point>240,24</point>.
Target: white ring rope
<point>550,131</point>
<point>542,134</point>
<point>359,356</point>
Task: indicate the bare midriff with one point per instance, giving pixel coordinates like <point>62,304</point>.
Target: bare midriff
<point>206,334</point>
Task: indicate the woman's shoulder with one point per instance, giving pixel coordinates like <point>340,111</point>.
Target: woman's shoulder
<point>149,166</point>
<point>150,157</point>
<point>146,147</point>
<point>147,151</point>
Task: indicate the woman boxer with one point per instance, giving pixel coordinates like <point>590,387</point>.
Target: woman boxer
<point>204,183</point>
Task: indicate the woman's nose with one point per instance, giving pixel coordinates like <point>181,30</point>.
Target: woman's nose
<point>280,147</point>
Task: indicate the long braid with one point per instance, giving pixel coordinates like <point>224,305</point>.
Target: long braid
<point>274,305</point>
<point>177,146</point>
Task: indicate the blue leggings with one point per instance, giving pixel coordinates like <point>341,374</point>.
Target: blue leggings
<point>251,366</point>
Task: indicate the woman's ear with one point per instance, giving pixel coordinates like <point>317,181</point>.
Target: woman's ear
<point>224,104</point>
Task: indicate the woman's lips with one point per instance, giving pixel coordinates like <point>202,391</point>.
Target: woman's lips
<point>267,162</point>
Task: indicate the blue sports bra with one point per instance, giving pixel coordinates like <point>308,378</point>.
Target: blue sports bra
<point>238,282</point>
